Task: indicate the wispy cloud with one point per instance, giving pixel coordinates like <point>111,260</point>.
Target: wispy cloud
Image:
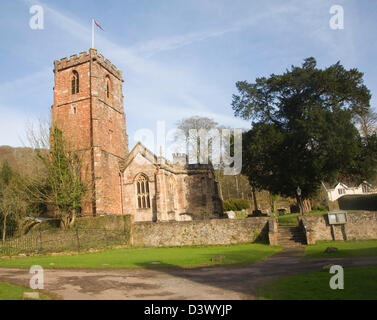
<point>152,47</point>
<point>161,87</point>
<point>26,85</point>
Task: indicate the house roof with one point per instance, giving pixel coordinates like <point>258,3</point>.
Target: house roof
<point>346,185</point>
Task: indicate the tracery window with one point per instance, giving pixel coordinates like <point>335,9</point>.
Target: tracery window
<point>142,189</point>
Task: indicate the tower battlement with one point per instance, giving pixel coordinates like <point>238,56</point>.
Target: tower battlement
<point>180,158</point>
<point>84,57</point>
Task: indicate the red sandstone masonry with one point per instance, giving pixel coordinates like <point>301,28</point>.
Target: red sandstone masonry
<point>108,139</point>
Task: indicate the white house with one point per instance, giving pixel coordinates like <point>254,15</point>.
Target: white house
<point>341,189</point>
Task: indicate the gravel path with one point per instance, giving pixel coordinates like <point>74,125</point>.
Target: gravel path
<point>213,283</point>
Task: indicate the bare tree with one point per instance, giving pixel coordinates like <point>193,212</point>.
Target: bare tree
<point>198,123</point>
<point>191,128</point>
<point>366,123</point>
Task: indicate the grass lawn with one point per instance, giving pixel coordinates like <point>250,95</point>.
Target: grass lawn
<point>12,292</point>
<point>143,257</point>
<point>291,219</point>
<point>359,284</point>
<point>365,248</point>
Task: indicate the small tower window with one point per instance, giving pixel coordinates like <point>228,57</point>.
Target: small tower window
<point>108,87</point>
<point>75,82</point>
<point>142,187</point>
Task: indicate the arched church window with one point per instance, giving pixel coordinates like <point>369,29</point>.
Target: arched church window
<point>142,189</point>
<point>75,82</point>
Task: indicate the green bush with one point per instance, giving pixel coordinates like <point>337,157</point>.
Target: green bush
<point>358,202</point>
<point>228,206</point>
<point>236,204</point>
<point>319,208</point>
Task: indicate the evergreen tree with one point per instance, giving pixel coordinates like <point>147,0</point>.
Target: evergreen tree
<point>303,131</point>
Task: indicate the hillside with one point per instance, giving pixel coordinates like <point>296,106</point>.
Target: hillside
<point>21,159</point>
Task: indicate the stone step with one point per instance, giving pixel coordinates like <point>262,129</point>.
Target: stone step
<point>299,235</point>
<point>289,236</point>
<point>290,242</point>
<point>287,241</point>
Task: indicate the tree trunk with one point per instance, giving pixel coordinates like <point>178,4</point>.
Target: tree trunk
<point>4,228</point>
<point>272,202</point>
<point>63,221</point>
<point>307,205</point>
<point>220,191</point>
<point>72,219</point>
<point>237,188</point>
<point>254,198</point>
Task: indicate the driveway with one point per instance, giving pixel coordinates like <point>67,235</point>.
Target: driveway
<point>213,283</point>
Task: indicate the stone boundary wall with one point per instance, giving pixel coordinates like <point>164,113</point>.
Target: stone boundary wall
<point>360,226</point>
<point>200,232</point>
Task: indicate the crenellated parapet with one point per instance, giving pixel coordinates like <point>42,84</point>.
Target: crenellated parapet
<point>85,57</point>
<point>180,158</point>
<point>73,60</point>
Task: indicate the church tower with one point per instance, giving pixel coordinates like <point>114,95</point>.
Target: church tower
<point>88,108</point>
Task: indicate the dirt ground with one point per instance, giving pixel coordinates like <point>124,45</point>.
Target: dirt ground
<point>207,283</point>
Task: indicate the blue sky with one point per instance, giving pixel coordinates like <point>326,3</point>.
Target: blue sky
<point>179,57</point>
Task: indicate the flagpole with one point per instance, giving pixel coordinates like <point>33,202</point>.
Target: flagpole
<point>92,33</point>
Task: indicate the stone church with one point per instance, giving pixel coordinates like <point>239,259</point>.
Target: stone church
<point>88,108</point>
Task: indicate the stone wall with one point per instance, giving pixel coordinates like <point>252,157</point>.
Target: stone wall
<point>360,226</point>
<point>200,232</point>
<point>273,231</point>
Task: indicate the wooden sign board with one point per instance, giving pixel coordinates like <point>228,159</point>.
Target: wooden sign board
<point>337,217</point>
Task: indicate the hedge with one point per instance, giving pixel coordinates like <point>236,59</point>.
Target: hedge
<point>236,204</point>
<point>358,202</point>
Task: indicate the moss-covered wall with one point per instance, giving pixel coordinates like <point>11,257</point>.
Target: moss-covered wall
<point>200,232</point>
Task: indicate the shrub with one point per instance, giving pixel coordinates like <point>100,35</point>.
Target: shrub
<point>319,208</point>
<point>236,204</point>
<point>358,202</point>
